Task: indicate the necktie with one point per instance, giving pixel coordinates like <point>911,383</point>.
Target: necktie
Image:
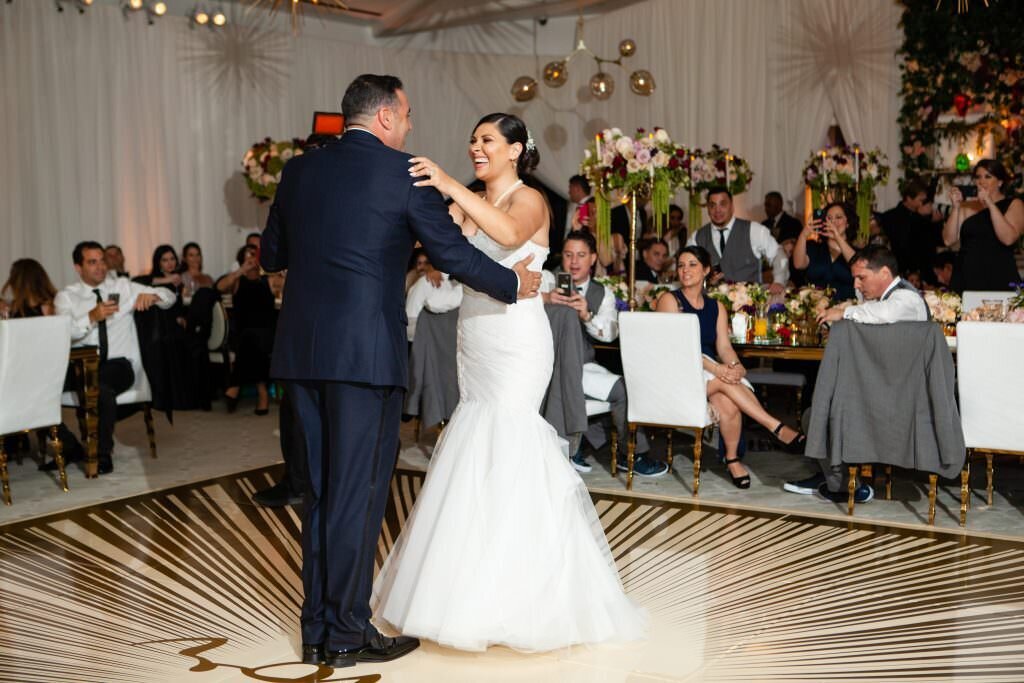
<point>102,325</point>
<point>721,242</point>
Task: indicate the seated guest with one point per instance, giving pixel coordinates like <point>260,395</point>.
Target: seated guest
<point>253,321</point>
<point>942,268</point>
<point>823,250</point>
<point>776,219</point>
<point>424,294</point>
<point>251,240</point>
<point>737,246</point>
<point>887,299</point>
<point>675,236</point>
<point>108,322</point>
<point>192,275</point>
<point>595,305</point>
<point>30,290</point>
<point>653,255</point>
<point>31,295</point>
<point>114,258</point>
<point>728,392</point>
<point>419,263</point>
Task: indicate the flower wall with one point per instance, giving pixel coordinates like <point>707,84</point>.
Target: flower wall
<point>962,74</point>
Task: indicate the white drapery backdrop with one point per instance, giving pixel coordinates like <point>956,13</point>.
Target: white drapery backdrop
<point>122,133</point>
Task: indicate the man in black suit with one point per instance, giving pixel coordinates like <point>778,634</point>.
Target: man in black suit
<point>343,223</point>
<point>778,222</point>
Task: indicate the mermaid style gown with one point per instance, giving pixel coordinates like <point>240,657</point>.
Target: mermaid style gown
<point>503,545</point>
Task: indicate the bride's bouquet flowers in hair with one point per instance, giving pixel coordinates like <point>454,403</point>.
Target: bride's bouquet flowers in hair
<point>646,163</point>
<point>263,163</point>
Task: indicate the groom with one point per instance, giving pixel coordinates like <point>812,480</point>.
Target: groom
<point>343,223</point>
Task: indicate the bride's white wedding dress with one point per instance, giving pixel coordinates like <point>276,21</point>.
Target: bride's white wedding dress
<point>503,545</point>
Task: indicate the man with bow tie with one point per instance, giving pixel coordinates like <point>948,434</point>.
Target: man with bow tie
<point>599,318</point>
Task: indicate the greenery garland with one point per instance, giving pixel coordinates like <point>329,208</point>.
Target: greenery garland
<point>974,60</point>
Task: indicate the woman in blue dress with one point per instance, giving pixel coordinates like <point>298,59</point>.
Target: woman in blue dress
<point>824,250</point>
<point>728,392</point>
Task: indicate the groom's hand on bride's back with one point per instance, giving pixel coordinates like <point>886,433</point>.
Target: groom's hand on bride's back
<point>529,280</point>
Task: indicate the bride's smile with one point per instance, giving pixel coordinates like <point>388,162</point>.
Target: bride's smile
<point>490,153</point>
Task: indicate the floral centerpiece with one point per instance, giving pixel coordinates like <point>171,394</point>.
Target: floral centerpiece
<point>740,297</point>
<point>844,171</point>
<point>643,164</point>
<point>944,306</point>
<point>646,300</point>
<point>264,162</point>
<point>717,167</point>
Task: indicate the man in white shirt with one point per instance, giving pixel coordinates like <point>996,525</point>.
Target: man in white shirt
<point>737,245</point>
<point>102,308</point>
<point>434,292</point>
<point>595,305</point>
<point>888,298</point>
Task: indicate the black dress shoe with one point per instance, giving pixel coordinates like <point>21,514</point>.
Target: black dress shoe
<point>277,496</point>
<point>379,649</point>
<point>313,654</point>
<point>105,465</point>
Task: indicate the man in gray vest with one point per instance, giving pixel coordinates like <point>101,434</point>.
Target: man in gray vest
<point>737,245</point>
<point>599,319</point>
<point>887,298</point>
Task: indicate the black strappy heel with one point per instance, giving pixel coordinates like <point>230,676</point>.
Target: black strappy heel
<point>739,482</point>
<point>794,447</point>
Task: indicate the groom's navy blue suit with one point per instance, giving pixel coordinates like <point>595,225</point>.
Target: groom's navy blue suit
<point>343,223</point>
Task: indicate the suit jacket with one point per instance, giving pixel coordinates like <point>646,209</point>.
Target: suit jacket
<point>885,393</point>
<point>343,223</point>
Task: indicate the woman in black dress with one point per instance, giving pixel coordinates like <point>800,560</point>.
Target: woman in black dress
<point>987,229</point>
<point>254,319</point>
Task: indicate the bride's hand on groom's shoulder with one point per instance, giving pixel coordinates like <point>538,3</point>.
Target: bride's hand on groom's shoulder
<point>529,280</point>
<point>429,174</point>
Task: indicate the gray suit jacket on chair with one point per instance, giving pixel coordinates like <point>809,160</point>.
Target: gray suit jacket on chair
<point>885,394</point>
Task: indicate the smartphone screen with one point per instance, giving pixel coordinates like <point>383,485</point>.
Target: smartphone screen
<point>114,297</point>
<point>969,191</point>
<point>584,211</point>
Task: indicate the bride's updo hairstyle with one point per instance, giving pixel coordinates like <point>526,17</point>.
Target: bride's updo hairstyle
<point>514,130</point>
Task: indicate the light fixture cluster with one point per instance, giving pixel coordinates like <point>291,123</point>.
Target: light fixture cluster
<point>602,85</point>
<point>151,10</point>
<point>80,5</point>
<point>214,18</point>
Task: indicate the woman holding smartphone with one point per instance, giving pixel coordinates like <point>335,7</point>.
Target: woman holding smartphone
<point>824,250</point>
<point>987,228</point>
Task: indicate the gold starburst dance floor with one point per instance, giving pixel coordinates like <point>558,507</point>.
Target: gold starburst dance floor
<point>196,584</point>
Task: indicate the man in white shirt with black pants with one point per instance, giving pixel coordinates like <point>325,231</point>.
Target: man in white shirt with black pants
<point>885,298</point>
<point>599,318</point>
<point>102,308</point>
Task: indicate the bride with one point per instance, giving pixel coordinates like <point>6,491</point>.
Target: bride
<point>503,546</point>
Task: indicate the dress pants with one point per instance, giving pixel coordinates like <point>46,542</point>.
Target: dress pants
<point>116,376</point>
<point>595,433</point>
<point>351,441</point>
<point>293,448</point>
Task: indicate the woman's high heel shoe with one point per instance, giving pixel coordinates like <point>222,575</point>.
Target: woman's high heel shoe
<point>794,447</point>
<point>739,482</point>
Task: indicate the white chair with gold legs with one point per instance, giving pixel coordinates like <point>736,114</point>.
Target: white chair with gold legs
<point>33,361</point>
<point>663,389</point>
<point>990,374</point>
